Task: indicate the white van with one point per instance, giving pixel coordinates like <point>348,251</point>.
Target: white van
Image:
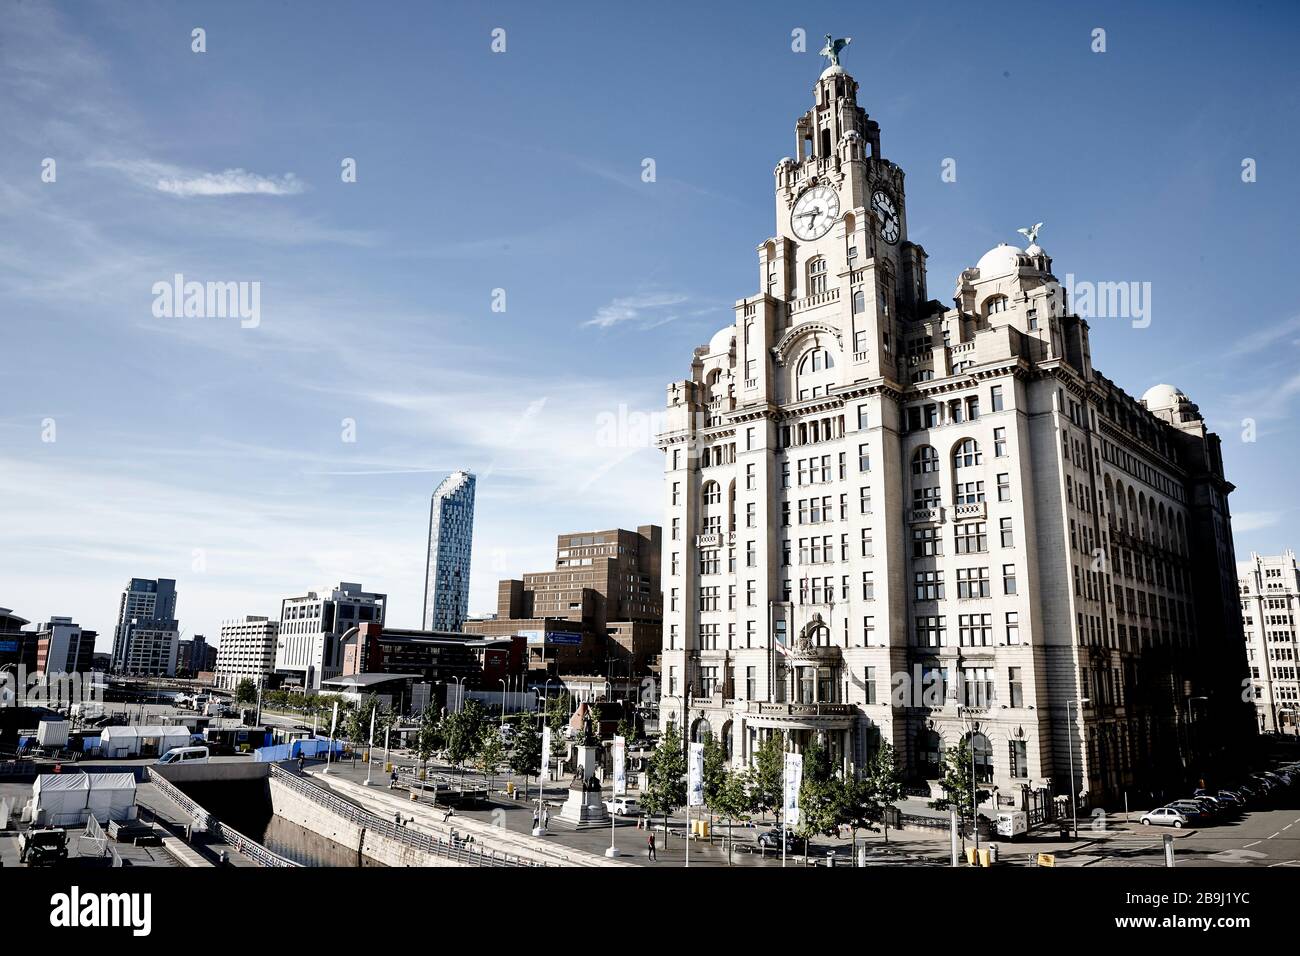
<point>185,755</point>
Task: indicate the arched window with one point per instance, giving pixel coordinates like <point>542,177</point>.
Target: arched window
<point>816,275</point>
<point>967,454</point>
<point>701,731</point>
<point>982,754</point>
<point>925,460</point>
<point>929,753</point>
<point>812,382</point>
<point>712,493</point>
<point>995,304</point>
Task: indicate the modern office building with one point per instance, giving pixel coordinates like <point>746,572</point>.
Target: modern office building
<point>1270,602</point>
<point>63,647</point>
<point>600,610</point>
<point>451,541</point>
<point>142,599</point>
<point>308,648</point>
<point>152,647</point>
<point>247,650</point>
<point>895,519</point>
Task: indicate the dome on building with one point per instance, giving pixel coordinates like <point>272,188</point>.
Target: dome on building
<point>999,261</point>
<point>1163,396</point>
<point>722,340</point>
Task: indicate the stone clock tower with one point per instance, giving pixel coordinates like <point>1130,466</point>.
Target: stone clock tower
<point>841,221</point>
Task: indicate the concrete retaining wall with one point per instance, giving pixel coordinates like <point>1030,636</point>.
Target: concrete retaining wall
<point>306,813</point>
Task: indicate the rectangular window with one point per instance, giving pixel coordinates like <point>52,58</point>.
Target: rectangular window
<point>971,538</point>
<point>869,685</point>
<point>1008,579</point>
<point>1004,487</point>
<point>928,585</point>
<point>972,582</point>
<point>868,629</point>
<point>1015,687</point>
<point>1008,535</point>
<point>751,479</point>
<point>868,544</point>
<point>751,683</point>
<point>677,529</point>
<point>751,514</point>
<point>1013,627</point>
<point>864,458</point>
<point>749,593</point>
<point>751,554</point>
<point>926,543</point>
<point>868,586</point>
<point>995,398</point>
<point>930,631</point>
<point>864,500</point>
<point>1019,755</point>
<point>999,443</point>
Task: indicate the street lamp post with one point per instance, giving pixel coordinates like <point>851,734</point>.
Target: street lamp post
<point>1074,808</point>
<point>503,700</point>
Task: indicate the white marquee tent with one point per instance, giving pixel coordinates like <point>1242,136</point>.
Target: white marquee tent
<point>68,799</point>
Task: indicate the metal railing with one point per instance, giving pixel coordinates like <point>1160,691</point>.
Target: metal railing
<point>416,839</point>
<point>245,845</point>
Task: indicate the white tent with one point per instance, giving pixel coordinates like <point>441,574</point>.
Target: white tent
<point>68,799</point>
<point>141,741</point>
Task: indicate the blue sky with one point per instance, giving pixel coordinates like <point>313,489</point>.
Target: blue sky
<point>197,449</point>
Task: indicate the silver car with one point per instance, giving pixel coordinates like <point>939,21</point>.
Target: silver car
<point>1165,817</point>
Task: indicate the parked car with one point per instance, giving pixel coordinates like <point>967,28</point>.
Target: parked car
<point>1191,810</point>
<point>771,840</point>
<point>1165,817</point>
<point>623,807</point>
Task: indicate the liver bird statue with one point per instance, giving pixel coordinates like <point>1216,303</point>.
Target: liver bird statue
<point>1031,233</point>
<point>833,47</point>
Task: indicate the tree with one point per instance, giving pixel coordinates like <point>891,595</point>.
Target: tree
<point>428,740</point>
<point>463,732</point>
<point>731,800</point>
<point>823,794</point>
<point>958,784</point>
<point>246,691</point>
<point>490,752</point>
<point>666,776</point>
<point>624,729</point>
<point>526,757</point>
<point>883,785</point>
<point>768,779</point>
<point>356,725</point>
<point>715,768</point>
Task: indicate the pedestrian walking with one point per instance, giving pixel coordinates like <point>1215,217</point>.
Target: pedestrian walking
<point>650,848</point>
<point>534,819</point>
<point>302,761</point>
<point>392,780</point>
<point>546,817</point>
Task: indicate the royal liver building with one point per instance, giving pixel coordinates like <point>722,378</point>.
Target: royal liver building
<point>895,519</point>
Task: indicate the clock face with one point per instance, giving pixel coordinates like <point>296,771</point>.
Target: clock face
<point>886,216</point>
<point>815,212</point>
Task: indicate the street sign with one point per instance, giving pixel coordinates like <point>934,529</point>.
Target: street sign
<point>563,637</point>
<point>1046,859</point>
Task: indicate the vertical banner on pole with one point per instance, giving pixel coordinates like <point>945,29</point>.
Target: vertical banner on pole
<point>546,751</point>
<point>695,777</point>
<point>793,777</point>
<point>620,766</point>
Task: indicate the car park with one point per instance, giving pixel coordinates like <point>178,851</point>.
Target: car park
<point>1165,817</point>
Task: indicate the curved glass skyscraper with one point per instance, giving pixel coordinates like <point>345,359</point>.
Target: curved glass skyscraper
<point>451,538</point>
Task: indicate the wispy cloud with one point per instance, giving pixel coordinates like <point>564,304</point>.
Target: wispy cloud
<point>1245,521</point>
<point>645,310</point>
<point>188,183</point>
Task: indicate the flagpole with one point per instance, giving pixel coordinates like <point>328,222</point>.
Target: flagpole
<point>370,757</point>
